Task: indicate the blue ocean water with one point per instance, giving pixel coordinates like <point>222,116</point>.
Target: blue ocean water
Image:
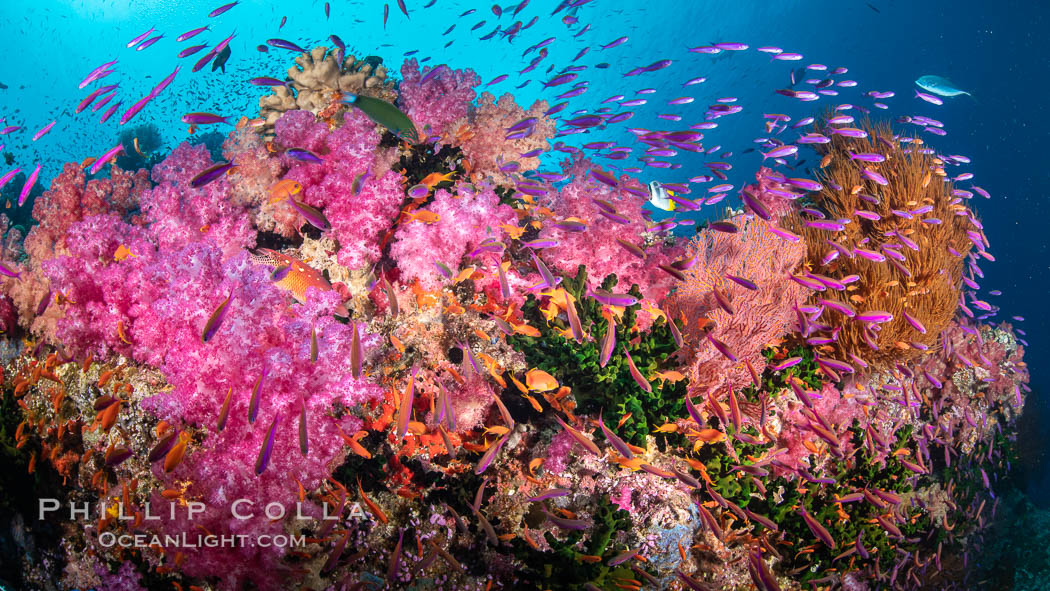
<point>995,51</point>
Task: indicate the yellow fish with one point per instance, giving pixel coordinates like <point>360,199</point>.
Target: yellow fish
<point>122,253</point>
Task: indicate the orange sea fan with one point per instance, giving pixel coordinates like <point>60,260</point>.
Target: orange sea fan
<point>906,243</point>
<point>760,317</point>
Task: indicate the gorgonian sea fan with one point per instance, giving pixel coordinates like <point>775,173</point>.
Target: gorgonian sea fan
<point>761,316</point>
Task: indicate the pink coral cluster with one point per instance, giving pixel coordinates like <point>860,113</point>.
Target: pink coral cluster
<point>486,145</point>
<point>838,408</point>
<point>348,154</point>
<point>440,100</point>
<point>69,199</point>
<point>152,308</point>
<point>597,247</point>
<point>179,214</point>
<point>466,219</point>
<point>772,193</point>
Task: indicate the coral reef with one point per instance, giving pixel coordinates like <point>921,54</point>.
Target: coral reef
<point>434,364</point>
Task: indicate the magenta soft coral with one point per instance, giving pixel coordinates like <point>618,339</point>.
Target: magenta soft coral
<point>258,335</point>
<point>163,298</point>
<point>358,219</point>
<point>837,408</point>
<point>466,220</point>
<point>434,104</point>
<point>179,213</point>
<point>597,248</point>
<point>104,291</point>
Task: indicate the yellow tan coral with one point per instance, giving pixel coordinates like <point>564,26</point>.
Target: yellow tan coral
<point>318,81</point>
<point>923,283</point>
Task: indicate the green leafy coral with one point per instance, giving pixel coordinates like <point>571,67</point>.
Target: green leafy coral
<point>565,567</point>
<point>844,521</point>
<point>775,382</point>
<point>611,388</point>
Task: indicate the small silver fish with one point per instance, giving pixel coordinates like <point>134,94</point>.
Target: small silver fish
<point>939,86</point>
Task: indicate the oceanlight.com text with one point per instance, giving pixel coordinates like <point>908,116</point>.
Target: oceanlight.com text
<point>110,539</point>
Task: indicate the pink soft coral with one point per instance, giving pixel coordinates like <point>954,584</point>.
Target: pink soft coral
<point>179,213</point>
<point>485,141</point>
<point>837,408</point>
<point>68,200</point>
<point>466,220</point>
<point>597,248</point>
<point>358,220</point>
<point>434,104</point>
<point>776,197</point>
<point>163,297</point>
<point>71,199</point>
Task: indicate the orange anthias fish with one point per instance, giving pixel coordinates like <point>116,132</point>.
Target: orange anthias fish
<point>284,189</point>
<point>540,381</point>
<point>425,216</point>
<point>432,179</point>
<point>294,275</point>
<point>122,253</point>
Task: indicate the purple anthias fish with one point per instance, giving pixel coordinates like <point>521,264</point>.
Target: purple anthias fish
<point>26,188</point>
<point>136,40</point>
<point>210,174</point>
<point>134,110</point>
<point>192,50</point>
<point>43,131</point>
<point>304,155</point>
<point>267,448</point>
<point>99,72</point>
<point>10,175</point>
<point>149,43</point>
<point>267,81</point>
<point>193,33</point>
<point>204,118</point>
<point>282,44</point>
<point>222,9</point>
